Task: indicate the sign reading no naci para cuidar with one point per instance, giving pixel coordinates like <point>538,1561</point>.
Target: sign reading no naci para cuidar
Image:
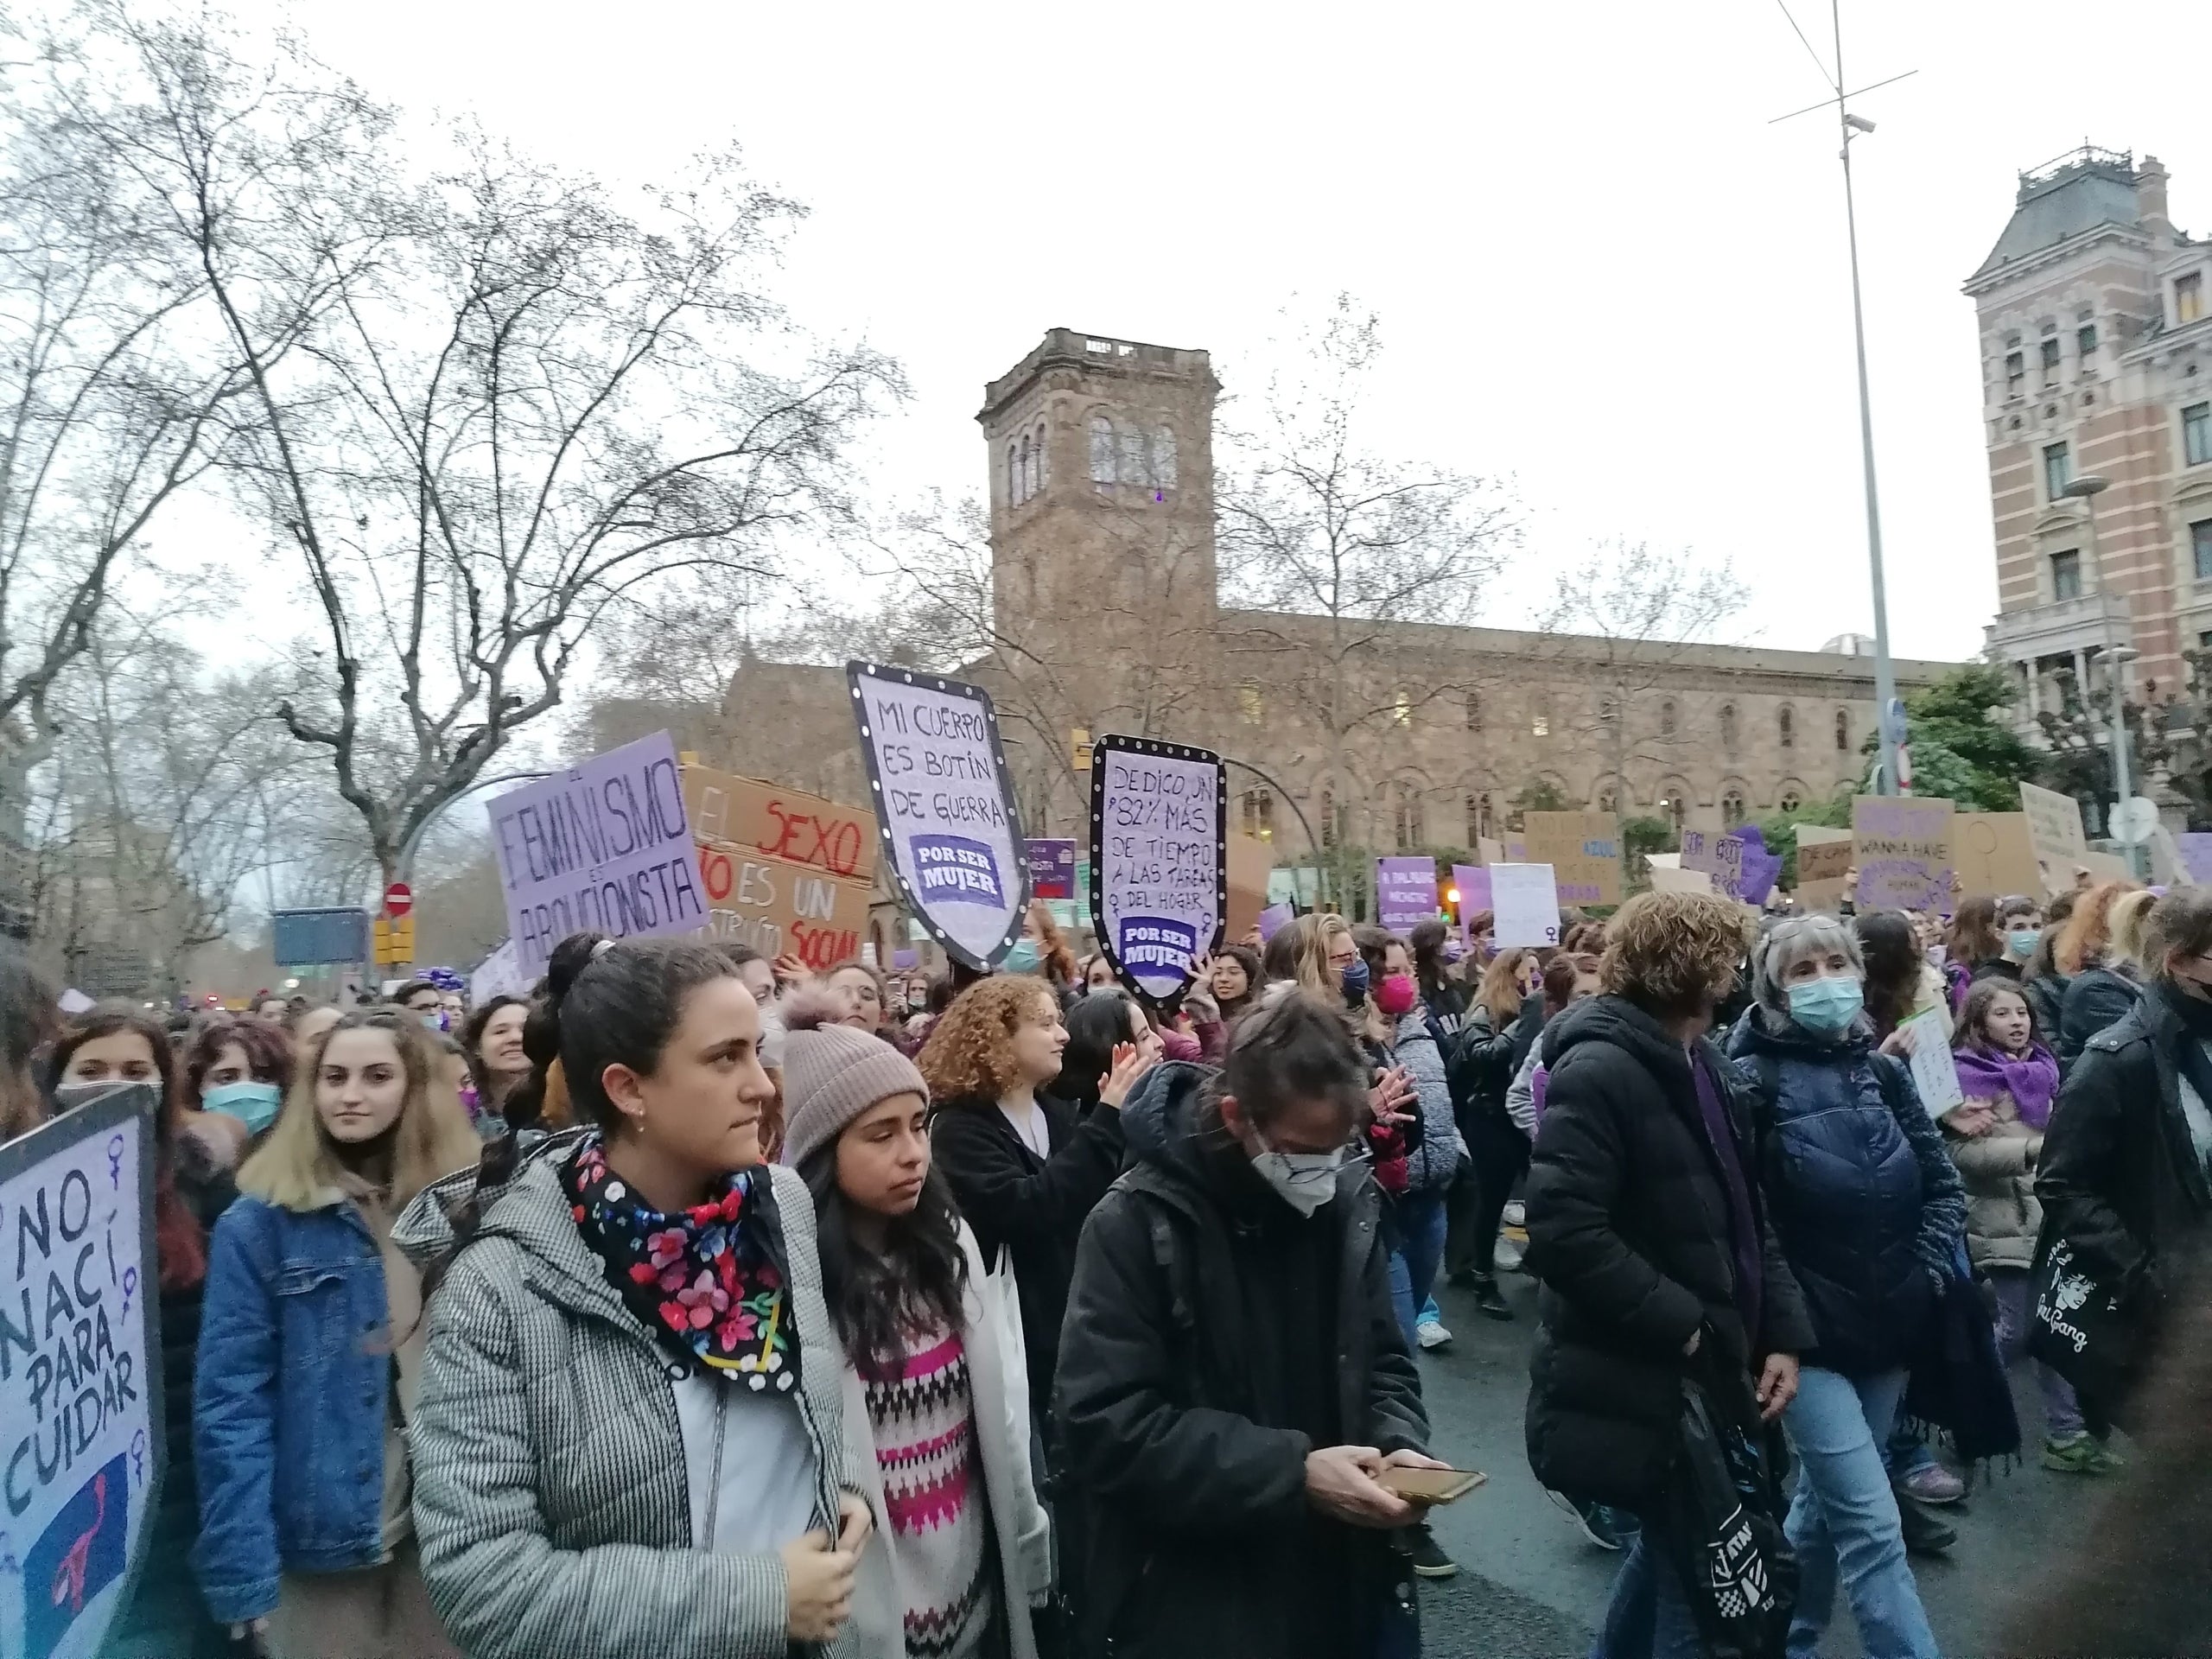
<point>81,1452</point>
<point>1159,859</point>
<point>946,807</point>
<point>603,847</point>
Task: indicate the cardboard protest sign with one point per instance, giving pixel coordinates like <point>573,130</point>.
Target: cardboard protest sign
<point>951,832</point>
<point>1719,856</point>
<point>1251,863</point>
<point>81,1441</point>
<point>1490,852</point>
<point>2193,849</point>
<point>1473,882</point>
<point>1903,848</point>
<point>784,871</point>
<point>2105,866</point>
<point>1823,859</point>
<point>1525,902</point>
<point>603,847</point>
<point>1160,858</point>
<point>1051,869</point>
<point>1934,1073</point>
<point>1583,848</point>
<point>1672,878</point>
<point>1994,854</point>
<point>1405,892</point>
<point>2055,832</point>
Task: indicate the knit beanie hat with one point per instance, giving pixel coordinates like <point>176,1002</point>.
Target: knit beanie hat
<point>832,1073</point>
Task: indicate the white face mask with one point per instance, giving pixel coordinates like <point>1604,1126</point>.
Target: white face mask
<point>1304,1181</point>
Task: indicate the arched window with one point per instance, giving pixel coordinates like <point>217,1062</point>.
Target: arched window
<point>1673,803</point>
<point>1666,718</point>
<point>1163,458</point>
<point>1401,709</point>
<point>1028,467</point>
<point>1013,476</point>
<point>1609,799</point>
<point>1609,709</point>
<point>1786,725</point>
<point>1475,710</point>
<point>1406,825</point>
<point>1102,450</point>
<point>1539,716</point>
<point>1790,801</point>
<point>1843,731</point>
<point>1040,474</point>
<point>1328,817</point>
<point>1477,829</point>
<point>1259,814</point>
<point>1133,468</point>
<point>1728,727</point>
<point>1731,807</point>
<point>1251,705</point>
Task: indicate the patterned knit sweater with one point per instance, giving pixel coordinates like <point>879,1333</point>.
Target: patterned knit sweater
<point>922,1415</point>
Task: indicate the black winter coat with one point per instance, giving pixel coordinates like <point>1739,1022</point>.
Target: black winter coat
<point>2046,996</point>
<point>1215,1337</point>
<point>1482,1064</point>
<point>2120,1179</point>
<point>2095,998</point>
<point>1033,1207</point>
<point>1629,1232</point>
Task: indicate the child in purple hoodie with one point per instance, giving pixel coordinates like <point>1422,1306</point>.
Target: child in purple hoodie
<point>2010,1079</point>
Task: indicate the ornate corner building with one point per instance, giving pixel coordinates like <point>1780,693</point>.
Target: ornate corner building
<point>2096,320</point>
<point>1108,614</point>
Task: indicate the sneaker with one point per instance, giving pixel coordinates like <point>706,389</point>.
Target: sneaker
<point>1598,1522</point>
<point>1431,1333</point>
<point>1932,1484</point>
<point>1488,1302</point>
<point>1517,1214</point>
<point>1509,1254</point>
<point>2080,1454</point>
<point>1924,1533</point>
<point>1428,1557</point>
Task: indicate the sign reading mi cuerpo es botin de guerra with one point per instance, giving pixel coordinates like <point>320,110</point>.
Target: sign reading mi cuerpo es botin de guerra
<point>1158,860</point>
<point>945,807</point>
<point>603,847</point>
<point>81,1452</point>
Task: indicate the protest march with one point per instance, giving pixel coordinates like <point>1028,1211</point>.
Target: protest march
<point>1346,1002</point>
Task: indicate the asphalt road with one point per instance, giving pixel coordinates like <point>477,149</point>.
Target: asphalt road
<point>1531,1586</point>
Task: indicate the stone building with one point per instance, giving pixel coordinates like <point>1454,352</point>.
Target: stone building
<point>2095,321</point>
<point>1107,617</point>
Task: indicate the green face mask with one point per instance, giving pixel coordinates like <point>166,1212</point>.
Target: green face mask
<point>254,1104</point>
<point>2021,941</point>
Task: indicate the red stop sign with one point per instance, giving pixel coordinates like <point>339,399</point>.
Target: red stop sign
<point>398,900</point>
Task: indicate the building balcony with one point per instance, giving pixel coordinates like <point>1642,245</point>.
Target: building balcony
<point>2060,629</point>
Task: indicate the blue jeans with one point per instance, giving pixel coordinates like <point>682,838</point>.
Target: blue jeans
<point>1414,1263</point>
<point>1649,1615</point>
<point>1844,1518</point>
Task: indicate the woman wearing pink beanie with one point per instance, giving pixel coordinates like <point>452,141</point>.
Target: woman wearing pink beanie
<point>930,1389</point>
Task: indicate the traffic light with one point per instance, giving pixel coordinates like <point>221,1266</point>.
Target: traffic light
<point>394,941</point>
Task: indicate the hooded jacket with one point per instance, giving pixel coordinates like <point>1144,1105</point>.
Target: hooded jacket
<point>1865,1198</point>
<point>1215,1337</point>
<point>1629,1232</point>
<point>2121,1179</point>
<point>553,1498</point>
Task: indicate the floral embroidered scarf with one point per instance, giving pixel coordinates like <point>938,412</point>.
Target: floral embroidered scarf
<point>707,1281</point>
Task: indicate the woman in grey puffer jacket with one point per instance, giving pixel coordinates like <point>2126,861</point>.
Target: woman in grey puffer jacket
<point>627,1440</point>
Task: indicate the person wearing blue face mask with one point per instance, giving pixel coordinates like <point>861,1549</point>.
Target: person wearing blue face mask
<point>1042,950</point>
<point>239,1067</point>
<point>1870,1213</point>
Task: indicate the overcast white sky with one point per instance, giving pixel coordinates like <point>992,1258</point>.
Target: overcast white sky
<point>1601,272</point>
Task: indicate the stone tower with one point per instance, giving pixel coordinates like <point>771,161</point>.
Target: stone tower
<point>1101,485</point>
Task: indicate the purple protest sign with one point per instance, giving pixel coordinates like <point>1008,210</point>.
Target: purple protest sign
<point>603,846</point>
<point>1274,919</point>
<point>1051,869</point>
<point>2194,850</point>
<point>1759,868</point>
<point>1473,883</point>
<point>1405,892</point>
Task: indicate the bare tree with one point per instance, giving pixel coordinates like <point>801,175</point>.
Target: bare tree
<point>1333,551</point>
<point>1623,628</point>
<point>114,381</point>
<point>479,408</point>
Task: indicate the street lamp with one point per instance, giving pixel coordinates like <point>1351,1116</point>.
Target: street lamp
<point>2086,489</point>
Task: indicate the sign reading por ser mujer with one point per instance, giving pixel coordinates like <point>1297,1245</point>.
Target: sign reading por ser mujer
<point>1158,860</point>
<point>944,804</point>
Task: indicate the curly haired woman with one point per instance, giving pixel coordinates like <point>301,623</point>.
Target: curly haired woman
<point>1023,1168</point>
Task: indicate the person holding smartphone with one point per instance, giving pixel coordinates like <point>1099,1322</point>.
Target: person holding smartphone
<point>1234,1385</point>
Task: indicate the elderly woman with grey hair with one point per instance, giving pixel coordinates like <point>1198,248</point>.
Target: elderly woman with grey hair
<point>1869,1211</point>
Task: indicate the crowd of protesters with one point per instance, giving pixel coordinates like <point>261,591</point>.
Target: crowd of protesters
<point>697,1304</point>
